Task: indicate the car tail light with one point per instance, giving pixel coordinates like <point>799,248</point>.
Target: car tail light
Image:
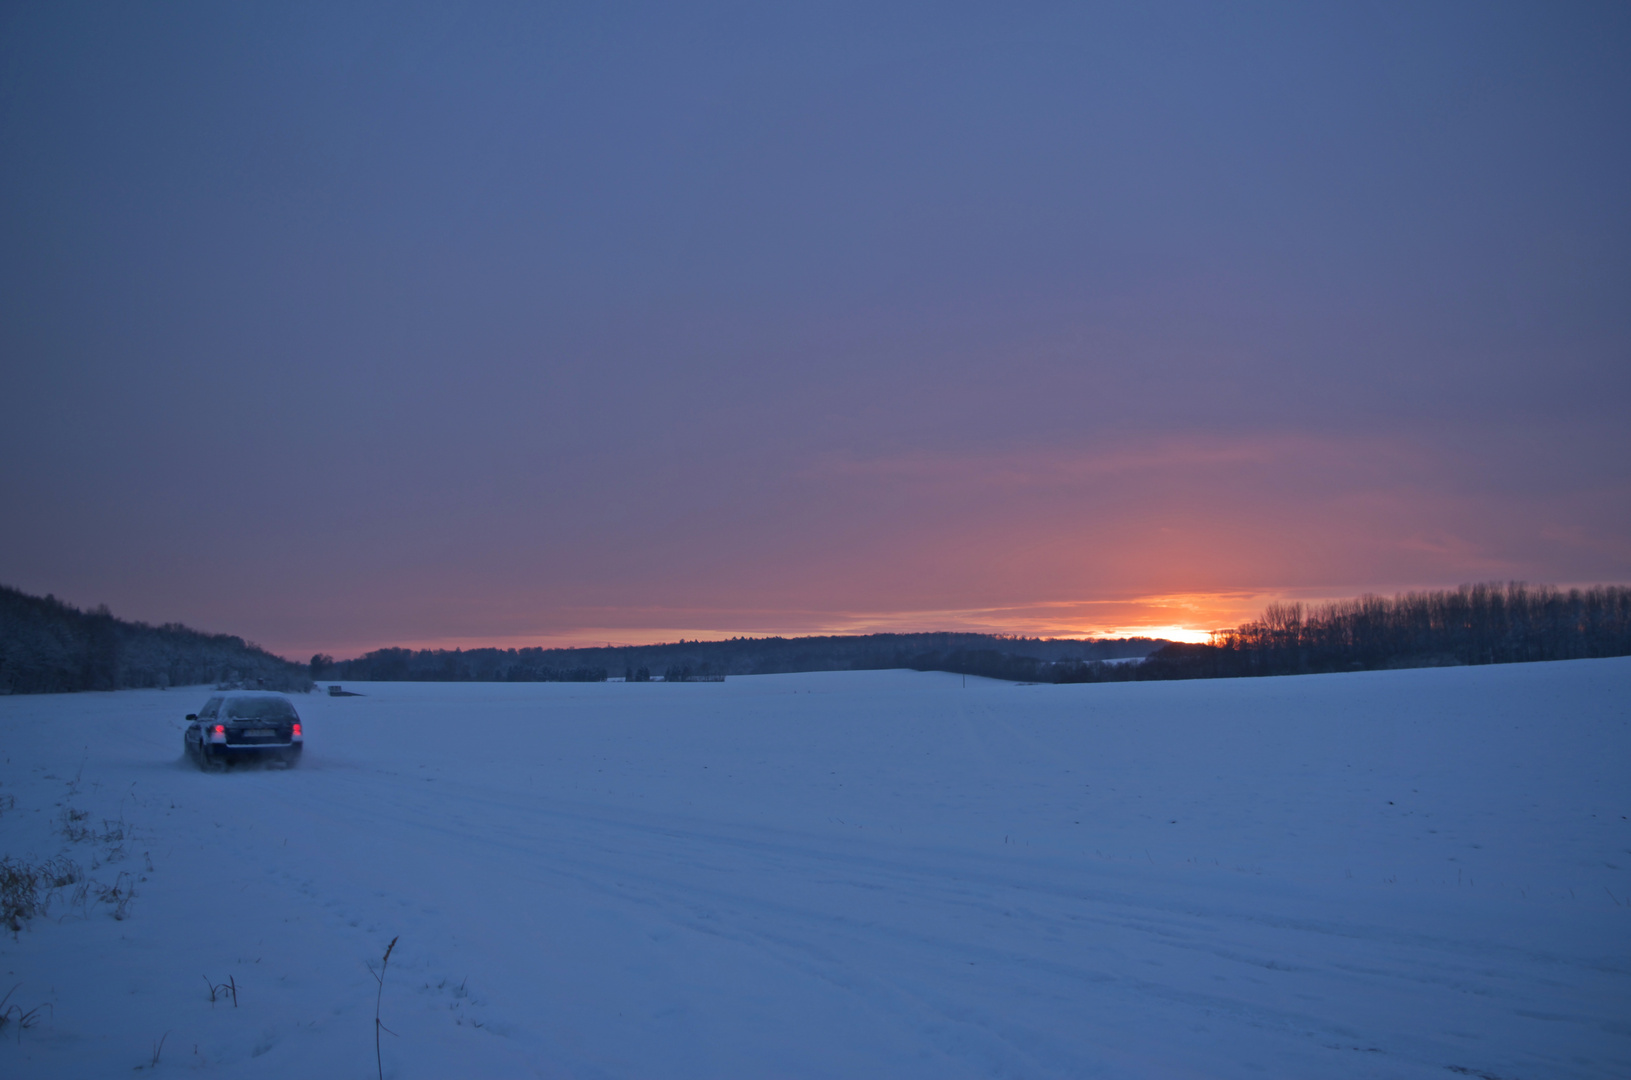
<point>297,731</point>
<point>220,729</point>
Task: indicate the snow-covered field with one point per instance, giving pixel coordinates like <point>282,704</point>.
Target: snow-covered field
<point>1404,874</point>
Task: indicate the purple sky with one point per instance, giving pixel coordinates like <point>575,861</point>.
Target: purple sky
<point>346,326</point>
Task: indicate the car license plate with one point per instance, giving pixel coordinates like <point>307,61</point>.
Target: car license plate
<point>259,733</point>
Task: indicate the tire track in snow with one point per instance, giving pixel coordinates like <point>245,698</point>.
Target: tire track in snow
<point>681,870</point>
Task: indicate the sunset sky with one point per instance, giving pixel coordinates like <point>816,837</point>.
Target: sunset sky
<point>339,326</point>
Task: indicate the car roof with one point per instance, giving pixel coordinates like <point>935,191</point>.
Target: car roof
<point>249,694</point>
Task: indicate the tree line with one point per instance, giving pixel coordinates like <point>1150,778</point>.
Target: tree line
<point>47,647</point>
<point>1474,624</point>
<point>707,659</point>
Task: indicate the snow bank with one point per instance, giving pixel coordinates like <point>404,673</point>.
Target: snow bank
<point>823,875</point>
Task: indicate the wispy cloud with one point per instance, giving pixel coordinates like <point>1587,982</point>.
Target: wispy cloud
<point>1344,458</point>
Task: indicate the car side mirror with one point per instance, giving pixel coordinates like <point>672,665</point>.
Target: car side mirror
<point>192,716</point>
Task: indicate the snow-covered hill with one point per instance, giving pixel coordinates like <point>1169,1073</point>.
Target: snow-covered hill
<point>837,875</point>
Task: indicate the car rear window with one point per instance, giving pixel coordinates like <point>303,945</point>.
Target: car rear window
<point>259,709</point>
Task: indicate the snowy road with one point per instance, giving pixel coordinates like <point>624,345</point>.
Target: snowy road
<point>1419,873</point>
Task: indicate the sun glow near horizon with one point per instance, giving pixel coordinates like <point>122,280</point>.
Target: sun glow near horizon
<point>1188,635</point>
<point>1191,618</point>
<point>641,637</point>
<point>1183,617</point>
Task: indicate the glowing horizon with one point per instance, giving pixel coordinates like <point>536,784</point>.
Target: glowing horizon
<point>588,639</point>
<point>721,626</point>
